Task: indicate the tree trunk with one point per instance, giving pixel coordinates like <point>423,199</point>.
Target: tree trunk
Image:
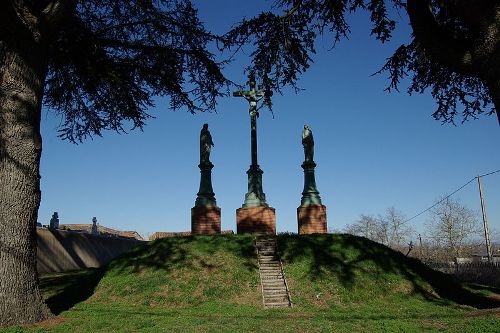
<point>22,75</point>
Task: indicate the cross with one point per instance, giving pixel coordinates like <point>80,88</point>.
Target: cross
<point>253,96</point>
<point>255,196</point>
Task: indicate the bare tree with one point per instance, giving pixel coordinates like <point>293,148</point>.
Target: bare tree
<point>367,226</point>
<point>452,227</point>
<point>396,230</point>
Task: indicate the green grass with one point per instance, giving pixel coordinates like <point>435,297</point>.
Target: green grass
<point>339,283</point>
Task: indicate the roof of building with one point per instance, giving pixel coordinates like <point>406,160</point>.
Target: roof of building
<point>164,234</point>
<point>101,230</point>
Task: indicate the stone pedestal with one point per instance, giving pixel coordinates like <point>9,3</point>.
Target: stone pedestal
<point>256,220</point>
<point>205,215</point>
<point>205,220</point>
<point>312,219</point>
<point>311,214</point>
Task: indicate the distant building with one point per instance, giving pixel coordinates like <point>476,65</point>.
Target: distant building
<point>483,257</point>
<point>162,234</point>
<point>100,230</point>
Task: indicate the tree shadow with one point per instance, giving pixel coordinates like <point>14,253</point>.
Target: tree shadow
<point>171,252</point>
<point>343,255</point>
<point>70,288</point>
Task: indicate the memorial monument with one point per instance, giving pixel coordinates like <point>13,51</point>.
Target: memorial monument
<point>255,216</point>
<point>311,214</point>
<point>205,215</point>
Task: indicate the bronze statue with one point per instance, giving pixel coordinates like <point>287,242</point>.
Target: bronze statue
<point>206,145</point>
<point>308,143</point>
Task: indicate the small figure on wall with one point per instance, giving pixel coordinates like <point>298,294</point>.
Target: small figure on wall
<point>206,145</point>
<point>308,143</point>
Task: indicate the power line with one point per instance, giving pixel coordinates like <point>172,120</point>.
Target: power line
<point>449,195</point>
<point>490,173</point>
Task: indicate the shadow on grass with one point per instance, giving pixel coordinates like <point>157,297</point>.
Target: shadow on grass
<point>68,289</point>
<point>344,255</point>
<point>475,286</point>
<point>173,252</point>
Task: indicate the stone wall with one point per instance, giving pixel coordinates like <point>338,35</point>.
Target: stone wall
<point>60,251</point>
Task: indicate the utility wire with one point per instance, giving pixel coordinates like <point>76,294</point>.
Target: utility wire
<point>490,173</point>
<point>449,195</point>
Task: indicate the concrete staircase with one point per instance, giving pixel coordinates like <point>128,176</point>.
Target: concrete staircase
<point>275,293</point>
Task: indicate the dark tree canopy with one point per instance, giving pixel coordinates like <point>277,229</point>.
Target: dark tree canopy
<point>98,64</point>
<point>454,52</point>
<point>108,59</point>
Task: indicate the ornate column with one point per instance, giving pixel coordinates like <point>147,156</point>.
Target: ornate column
<point>205,215</point>
<point>311,214</point>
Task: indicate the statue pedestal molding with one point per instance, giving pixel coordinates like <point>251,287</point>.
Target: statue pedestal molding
<point>311,219</point>
<point>256,220</point>
<point>205,220</point>
<point>311,214</point>
<point>205,215</point>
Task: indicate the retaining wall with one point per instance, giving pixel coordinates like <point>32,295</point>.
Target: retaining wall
<point>60,251</point>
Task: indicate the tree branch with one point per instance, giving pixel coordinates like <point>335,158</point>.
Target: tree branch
<point>439,45</point>
<point>54,13</point>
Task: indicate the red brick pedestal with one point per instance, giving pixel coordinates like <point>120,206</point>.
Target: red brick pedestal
<point>312,219</point>
<point>205,220</point>
<point>256,220</point>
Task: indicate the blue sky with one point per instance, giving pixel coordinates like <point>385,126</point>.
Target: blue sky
<point>374,150</point>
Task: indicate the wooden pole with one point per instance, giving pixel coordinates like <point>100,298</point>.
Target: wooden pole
<point>485,220</point>
<point>421,250</point>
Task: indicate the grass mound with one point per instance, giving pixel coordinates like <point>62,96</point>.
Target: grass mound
<point>338,283</point>
<point>345,271</point>
<point>184,271</point>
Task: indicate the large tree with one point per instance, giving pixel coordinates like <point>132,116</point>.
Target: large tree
<point>98,63</point>
<point>454,51</point>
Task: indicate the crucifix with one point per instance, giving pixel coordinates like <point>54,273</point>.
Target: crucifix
<point>255,196</point>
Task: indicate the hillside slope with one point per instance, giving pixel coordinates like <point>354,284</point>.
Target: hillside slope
<point>338,283</point>
<point>343,271</point>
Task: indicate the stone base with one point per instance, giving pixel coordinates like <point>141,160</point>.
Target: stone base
<point>256,220</point>
<point>312,219</point>
<point>205,220</point>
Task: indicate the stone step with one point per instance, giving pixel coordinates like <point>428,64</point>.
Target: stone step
<point>274,289</point>
<point>271,281</point>
<point>277,305</point>
<point>280,286</point>
<point>270,265</point>
<point>275,284</point>
<point>275,296</point>
<point>271,271</point>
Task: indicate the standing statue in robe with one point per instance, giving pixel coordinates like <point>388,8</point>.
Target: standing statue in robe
<point>308,143</point>
<point>206,145</point>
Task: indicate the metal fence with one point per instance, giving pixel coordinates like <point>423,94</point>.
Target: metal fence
<point>475,272</point>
